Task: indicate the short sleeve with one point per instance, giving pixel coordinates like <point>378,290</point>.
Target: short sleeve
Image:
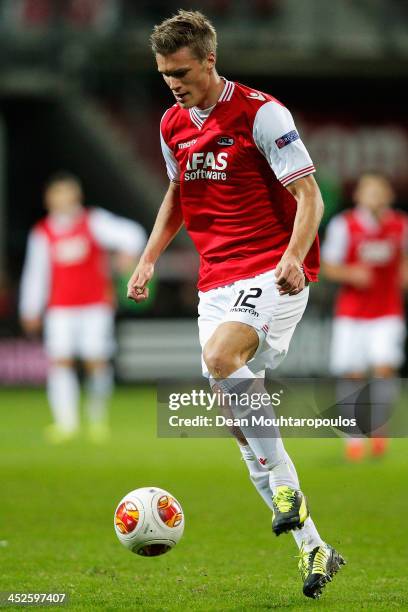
<point>117,233</point>
<point>335,244</point>
<point>277,138</point>
<point>173,170</point>
<point>36,276</point>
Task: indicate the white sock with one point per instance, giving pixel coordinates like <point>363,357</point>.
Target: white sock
<point>292,469</point>
<point>349,392</point>
<point>63,396</point>
<point>99,384</point>
<point>258,474</point>
<point>270,452</point>
<point>308,536</point>
<point>384,393</point>
<point>283,472</point>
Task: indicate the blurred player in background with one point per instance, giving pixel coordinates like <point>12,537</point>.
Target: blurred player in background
<point>366,251</point>
<point>66,284</point>
<point>241,182</point>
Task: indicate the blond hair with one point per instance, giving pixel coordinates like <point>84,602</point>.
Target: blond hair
<point>186,29</point>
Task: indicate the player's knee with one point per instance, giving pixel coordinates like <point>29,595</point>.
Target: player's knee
<point>62,363</point>
<point>95,365</point>
<point>384,372</point>
<point>220,362</point>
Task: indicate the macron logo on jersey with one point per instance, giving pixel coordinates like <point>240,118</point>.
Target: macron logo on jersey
<point>185,145</point>
<point>287,139</point>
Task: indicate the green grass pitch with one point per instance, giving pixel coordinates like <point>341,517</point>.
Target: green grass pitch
<point>57,503</point>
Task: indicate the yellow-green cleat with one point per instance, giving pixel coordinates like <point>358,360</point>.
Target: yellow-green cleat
<point>289,510</point>
<point>98,433</point>
<point>317,568</point>
<point>56,435</point>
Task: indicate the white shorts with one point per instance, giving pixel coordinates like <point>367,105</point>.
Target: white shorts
<point>361,344</point>
<point>256,302</point>
<point>86,332</point>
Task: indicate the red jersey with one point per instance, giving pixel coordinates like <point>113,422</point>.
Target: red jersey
<point>233,162</point>
<point>79,269</point>
<point>379,246</point>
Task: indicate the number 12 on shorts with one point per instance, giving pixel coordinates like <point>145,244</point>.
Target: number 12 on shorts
<point>254,292</point>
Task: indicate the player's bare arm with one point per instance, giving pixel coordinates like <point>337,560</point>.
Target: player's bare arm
<point>124,262</point>
<point>31,326</point>
<point>289,274</point>
<point>357,275</point>
<point>404,272</point>
<point>168,223</point>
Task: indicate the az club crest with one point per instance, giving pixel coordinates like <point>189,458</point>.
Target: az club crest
<point>225,141</point>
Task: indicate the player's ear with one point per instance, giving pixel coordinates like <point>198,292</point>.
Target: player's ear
<point>211,61</point>
<point>355,193</point>
<point>391,194</point>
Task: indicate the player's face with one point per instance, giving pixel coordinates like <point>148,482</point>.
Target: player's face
<point>187,77</point>
<point>63,198</point>
<point>374,193</point>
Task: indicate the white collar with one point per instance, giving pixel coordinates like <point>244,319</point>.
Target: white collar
<point>61,222</point>
<point>367,219</point>
<point>198,115</point>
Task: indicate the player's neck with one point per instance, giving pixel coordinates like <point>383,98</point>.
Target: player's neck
<point>65,218</point>
<point>380,214</point>
<point>214,91</point>
<point>374,215</point>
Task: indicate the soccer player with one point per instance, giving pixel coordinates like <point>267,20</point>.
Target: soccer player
<point>66,278</point>
<point>241,183</point>
<point>366,251</point>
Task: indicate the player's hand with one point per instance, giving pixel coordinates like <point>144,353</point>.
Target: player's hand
<point>137,285</point>
<point>32,327</point>
<point>359,276</point>
<point>290,278</point>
